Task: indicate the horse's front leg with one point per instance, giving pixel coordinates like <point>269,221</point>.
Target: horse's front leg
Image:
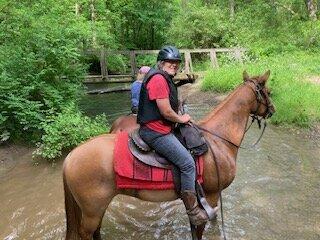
<point>197,231</point>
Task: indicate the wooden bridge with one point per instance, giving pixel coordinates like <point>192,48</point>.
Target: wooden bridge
<point>187,72</point>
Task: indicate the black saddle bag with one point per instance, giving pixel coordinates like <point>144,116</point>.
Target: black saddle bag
<point>191,138</point>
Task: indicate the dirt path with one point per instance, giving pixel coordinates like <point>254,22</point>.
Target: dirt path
<point>315,79</point>
<point>193,94</point>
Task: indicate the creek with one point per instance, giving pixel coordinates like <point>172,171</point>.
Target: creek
<point>275,194</point>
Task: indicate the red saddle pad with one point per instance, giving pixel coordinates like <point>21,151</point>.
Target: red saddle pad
<point>132,173</point>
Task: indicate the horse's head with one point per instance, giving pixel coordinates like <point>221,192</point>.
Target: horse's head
<point>264,106</point>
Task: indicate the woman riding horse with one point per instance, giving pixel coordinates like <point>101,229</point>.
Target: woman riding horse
<point>157,115</point>
<point>90,180</point>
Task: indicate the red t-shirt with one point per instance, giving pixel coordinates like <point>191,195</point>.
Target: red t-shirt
<point>158,88</point>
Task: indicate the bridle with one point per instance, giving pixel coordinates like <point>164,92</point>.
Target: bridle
<point>260,92</point>
<point>262,98</point>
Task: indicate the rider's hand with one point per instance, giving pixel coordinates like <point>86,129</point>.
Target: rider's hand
<point>185,118</point>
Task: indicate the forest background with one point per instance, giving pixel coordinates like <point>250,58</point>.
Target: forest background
<point>42,65</point>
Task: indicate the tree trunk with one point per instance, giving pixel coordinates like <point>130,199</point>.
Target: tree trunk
<point>312,9</point>
<point>77,9</point>
<point>231,7</point>
<point>93,20</point>
<point>184,4</point>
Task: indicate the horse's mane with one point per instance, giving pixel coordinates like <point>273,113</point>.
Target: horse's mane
<point>220,106</point>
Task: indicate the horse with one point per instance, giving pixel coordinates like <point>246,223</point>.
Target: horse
<point>88,170</point>
<point>124,123</point>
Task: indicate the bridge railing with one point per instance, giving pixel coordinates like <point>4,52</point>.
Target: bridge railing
<point>102,54</point>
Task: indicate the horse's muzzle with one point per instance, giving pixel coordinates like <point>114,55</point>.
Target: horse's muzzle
<point>271,110</point>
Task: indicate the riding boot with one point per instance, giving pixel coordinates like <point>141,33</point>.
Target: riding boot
<point>197,216</point>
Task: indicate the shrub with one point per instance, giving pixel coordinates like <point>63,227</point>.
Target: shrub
<point>66,130</point>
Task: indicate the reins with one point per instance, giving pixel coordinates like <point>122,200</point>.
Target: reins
<point>257,91</point>
<point>228,141</point>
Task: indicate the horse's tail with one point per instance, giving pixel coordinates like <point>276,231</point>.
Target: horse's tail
<point>73,213</point>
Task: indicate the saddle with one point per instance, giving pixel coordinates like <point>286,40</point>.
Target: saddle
<point>144,153</point>
<point>189,136</point>
<point>196,145</point>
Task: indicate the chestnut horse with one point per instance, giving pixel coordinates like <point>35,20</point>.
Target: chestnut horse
<point>124,123</point>
<point>88,170</point>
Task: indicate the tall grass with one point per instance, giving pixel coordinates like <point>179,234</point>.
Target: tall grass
<point>296,98</point>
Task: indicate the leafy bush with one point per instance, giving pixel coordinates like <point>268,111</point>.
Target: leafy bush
<point>41,68</point>
<point>200,25</point>
<point>118,63</point>
<point>40,71</point>
<point>67,130</point>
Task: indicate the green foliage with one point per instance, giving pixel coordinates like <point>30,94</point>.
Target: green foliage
<point>141,24</point>
<point>67,130</point>
<point>146,60</point>
<point>263,27</point>
<point>118,63</point>
<point>42,43</point>
<point>39,66</point>
<point>200,26</point>
<point>296,98</point>
<point>222,79</point>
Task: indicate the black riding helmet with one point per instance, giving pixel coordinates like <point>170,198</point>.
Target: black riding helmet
<point>169,53</point>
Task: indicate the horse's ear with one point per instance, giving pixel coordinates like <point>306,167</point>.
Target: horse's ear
<point>264,77</point>
<point>245,76</point>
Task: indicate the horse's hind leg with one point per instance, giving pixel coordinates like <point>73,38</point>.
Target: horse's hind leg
<point>89,225</point>
<point>96,234</point>
<point>93,213</point>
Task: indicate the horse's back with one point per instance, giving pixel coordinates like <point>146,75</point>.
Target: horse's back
<point>92,157</point>
<point>124,123</point>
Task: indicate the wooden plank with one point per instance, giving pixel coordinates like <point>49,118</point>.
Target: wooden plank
<point>120,76</point>
<point>127,78</point>
<point>133,63</point>
<point>187,62</point>
<point>103,64</point>
<point>238,55</point>
<point>197,50</point>
<point>213,58</point>
<point>109,90</point>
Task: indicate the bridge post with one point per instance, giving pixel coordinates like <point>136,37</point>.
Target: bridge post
<point>213,58</point>
<point>103,64</point>
<point>133,63</point>
<point>238,55</point>
<point>188,62</point>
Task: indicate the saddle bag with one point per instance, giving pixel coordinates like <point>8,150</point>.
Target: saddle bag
<point>192,139</point>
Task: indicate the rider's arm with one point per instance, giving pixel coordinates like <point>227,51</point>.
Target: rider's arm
<point>168,113</point>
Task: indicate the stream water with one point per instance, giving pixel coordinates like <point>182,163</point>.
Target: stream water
<point>275,194</point>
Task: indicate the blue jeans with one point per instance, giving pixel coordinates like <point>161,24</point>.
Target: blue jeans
<point>170,148</point>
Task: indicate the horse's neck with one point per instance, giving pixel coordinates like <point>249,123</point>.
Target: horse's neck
<point>229,119</point>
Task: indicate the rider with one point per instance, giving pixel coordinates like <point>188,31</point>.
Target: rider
<point>135,88</point>
<point>157,114</point>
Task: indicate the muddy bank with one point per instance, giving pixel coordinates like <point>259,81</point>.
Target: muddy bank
<point>11,155</point>
<point>192,94</point>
